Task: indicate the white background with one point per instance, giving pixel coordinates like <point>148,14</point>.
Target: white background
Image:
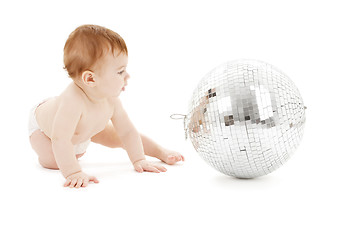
<point>172,45</point>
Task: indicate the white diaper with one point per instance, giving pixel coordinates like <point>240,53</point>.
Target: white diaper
<point>33,126</point>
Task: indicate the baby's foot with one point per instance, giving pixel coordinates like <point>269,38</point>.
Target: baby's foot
<point>170,157</point>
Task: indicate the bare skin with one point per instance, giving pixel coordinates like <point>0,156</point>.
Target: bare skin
<point>89,108</point>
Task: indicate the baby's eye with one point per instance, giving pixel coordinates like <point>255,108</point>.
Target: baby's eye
<point>121,72</point>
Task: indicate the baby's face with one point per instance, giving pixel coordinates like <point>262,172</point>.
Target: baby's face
<point>112,76</point>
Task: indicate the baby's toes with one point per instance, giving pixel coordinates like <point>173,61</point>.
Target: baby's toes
<point>179,158</point>
<point>171,160</point>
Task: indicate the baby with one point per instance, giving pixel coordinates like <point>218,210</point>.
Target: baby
<point>89,110</point>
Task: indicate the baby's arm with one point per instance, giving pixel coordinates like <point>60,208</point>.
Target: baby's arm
<point>131,140</point>
<point>64,125</point>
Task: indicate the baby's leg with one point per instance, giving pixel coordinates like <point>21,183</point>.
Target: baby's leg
<point>109,138</point>
<point>42,145</point>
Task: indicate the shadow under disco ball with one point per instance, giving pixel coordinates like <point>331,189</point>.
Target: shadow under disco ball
<point>245,118</point>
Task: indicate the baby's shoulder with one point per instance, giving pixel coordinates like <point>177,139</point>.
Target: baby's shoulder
<point>72,96</point>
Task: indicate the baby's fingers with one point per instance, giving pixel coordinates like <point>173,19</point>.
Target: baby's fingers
<point>85,183</point>
<point>67,183</point>
<point>160,168</point>
<point>139,169</point>
<point>73,182</point>
<point>151,169</point>
<point>87,180</point>
<point>94,179</point>
<point>79,183</point>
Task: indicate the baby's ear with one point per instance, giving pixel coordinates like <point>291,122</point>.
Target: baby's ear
<point>87,78</point>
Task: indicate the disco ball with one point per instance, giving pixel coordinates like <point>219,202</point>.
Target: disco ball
<point>245,118</point>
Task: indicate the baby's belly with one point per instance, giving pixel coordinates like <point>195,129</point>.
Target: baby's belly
<point>83,136</point>
<point>77,139</point>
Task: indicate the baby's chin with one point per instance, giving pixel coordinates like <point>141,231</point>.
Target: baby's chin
<point>113,96</point>
<point>118,94</point>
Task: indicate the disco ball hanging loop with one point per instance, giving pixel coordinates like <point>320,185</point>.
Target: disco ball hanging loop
<point>245,118</point>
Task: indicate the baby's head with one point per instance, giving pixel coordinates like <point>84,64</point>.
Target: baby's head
<point>93,53</point>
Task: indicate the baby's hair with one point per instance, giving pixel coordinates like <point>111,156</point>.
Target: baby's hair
<point>87,44</point>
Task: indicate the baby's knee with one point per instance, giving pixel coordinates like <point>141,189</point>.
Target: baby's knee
<point>48,163</point>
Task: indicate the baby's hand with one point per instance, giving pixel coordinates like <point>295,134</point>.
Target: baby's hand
<point>79,179</point>
<point>144,165</point>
